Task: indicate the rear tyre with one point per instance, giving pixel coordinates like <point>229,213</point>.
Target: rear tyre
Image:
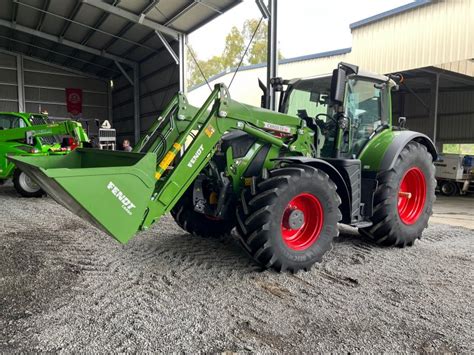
<point>196,223</point>
<point>448,188</point>
<point>291,221</point>
<point>25,186</point>
<point>403,202</point>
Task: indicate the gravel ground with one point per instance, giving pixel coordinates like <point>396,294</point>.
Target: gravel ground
<point>64,286</point>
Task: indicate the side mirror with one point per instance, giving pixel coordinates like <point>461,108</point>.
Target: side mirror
<point>338,86</point>
<point>402,122</point>
<point>338,81</point>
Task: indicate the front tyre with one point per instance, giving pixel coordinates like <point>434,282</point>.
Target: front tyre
<point>403,202</point>
<point>290,223</point>
<point>25,186</point>
<point>199,224</point>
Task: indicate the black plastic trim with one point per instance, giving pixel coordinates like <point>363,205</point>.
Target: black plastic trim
<point>256,165</point>
<point>400,142</point>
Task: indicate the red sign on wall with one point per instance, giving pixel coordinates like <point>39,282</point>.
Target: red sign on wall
<point>74,101</point>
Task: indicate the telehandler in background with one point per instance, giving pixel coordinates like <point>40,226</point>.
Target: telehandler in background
<point>33,134</point>
<point>283,179</point>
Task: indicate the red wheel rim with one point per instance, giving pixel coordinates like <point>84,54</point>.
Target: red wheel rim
<point>411,195</point>
<point>305,235</point>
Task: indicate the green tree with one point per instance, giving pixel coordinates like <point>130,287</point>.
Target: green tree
<point>236,42</point>
<point>258,49</point>
<point>234,47</point>
<point>209,68</point>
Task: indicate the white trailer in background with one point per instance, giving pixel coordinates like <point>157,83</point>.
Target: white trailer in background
<point>455,174</point>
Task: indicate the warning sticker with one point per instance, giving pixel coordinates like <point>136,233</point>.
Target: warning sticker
<point>209,131</point>
<point>276,127</point>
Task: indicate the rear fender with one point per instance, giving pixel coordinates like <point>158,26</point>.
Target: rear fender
<point>400,142</point>
<point>334,175</point>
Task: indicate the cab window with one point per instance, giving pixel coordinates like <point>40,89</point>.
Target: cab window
<point>10,121</point>
<point>364,110</point>
<point>312,102</point>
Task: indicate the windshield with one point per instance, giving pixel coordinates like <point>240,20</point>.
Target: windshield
<point>37,120</point>
<point>10,121</point>
<point>310,96</point>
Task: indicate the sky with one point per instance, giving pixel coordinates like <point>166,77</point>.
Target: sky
<point>304,26</point>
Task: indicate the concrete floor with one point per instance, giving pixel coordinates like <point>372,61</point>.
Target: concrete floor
<point>454,211</point>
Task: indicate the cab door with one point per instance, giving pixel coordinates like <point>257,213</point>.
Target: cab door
<point>366,111</point>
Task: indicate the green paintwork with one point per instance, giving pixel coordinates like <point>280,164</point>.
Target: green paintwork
<point>372,154</point>
<point>82,181</point>
<point>13,141</point>
<point>123,193</point>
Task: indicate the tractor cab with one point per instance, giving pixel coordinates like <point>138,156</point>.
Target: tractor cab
<point>346,109</point>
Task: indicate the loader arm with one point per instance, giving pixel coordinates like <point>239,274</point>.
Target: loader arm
<point>219,115</point>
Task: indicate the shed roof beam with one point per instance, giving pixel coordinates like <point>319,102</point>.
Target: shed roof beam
<point>59,53</point>
<point>98,23</point>
<point>40,24</point>
<point>66,25</point>
<point>209,6</point>
<point>263,9</point>
<point>180,13</point>
<point>461,78</point>
<point>168,46</point>
<point>71,16</point>
<point>147,10</point>
<point>65,42</point>
<point>14,12</point>
<point>92,28</point>
<point>131,17</point>
<point>122,32</point>
<point>124,73</point>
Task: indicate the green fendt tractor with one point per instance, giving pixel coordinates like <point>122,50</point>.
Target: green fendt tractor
<point>283,179</point>
<point>33,134</point>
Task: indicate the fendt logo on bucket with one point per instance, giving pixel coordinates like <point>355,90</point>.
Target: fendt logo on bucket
<point>127,205</point>
<point>195,156</point>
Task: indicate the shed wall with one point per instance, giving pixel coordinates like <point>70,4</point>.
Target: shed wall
<point>441,32</point>
<point>44,88</point>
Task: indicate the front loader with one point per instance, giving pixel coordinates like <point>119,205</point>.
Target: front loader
<point>283,179</point>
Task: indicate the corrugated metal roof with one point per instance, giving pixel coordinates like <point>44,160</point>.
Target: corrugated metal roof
<point>84,35</point>
<point>392,12</point>
<point>281,61</point>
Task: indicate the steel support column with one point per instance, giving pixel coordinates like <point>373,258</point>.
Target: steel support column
<point>434,106</point>
<point>110,111</point>
<point>136,102</point>
<point>20,83</point>
<point>272,53</point>
<point>182,63</point>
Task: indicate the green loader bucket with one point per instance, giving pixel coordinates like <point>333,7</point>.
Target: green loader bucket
<point>109,189</point>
